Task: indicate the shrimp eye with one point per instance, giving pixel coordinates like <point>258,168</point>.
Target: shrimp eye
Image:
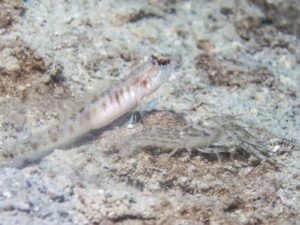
<point>160,61</point>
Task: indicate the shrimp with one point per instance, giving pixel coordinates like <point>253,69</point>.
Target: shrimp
<point>176,138</point>
<point>213,138</point>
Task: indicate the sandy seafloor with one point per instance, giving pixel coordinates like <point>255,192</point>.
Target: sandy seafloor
<point>234,57</point>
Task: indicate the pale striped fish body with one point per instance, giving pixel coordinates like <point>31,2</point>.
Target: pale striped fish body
<point>117,101</point>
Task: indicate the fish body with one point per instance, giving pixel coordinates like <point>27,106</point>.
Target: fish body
<point>112,104</point>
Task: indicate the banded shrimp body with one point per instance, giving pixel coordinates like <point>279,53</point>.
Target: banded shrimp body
<point>171,140</point>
